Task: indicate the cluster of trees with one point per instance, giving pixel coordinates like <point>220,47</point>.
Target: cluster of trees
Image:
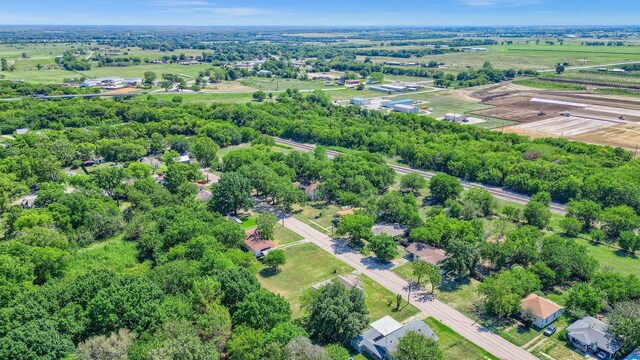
<point>471,77</point>
<point>69,61</point>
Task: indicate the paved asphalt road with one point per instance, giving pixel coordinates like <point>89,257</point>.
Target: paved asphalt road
<point>429,306</point>
<point>497,192</point>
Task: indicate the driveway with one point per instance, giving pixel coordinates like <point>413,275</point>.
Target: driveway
<point>429,306</point>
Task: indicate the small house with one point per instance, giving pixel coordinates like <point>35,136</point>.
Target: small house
<point>185,159</point>
<point>257,244</point>
<point>309,187</point>
<point>591,336</point>
<point>204,195</point>
<point>426,253</point>
<point>22,131</point>
<point>393,230</point>
<point>265,73</point>
<point>381,340</point>
<point>545,311</point>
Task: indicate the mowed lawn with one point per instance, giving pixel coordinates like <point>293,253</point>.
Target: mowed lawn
<point>308,265</point>
<point>454,345</point>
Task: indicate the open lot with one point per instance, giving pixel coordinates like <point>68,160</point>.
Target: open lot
<point>307,265</point>
<point>454,345</point>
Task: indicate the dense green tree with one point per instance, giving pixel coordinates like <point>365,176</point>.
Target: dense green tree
<point>337,352</point>
<point>480,199</point>
<point>503,291</point>
<point>584,298</point>
<point>205,150</point>
<point>262,310</point>
<point>463,258</point>
<point>571,226</point>
<point>358,226</point>
<point>617,219</point>
<point>266,223</point>
<point>236,285</point>
<point>336,315</point>
<point>586,211</point>
<point>231,193</point>
<point>568,259</point>
<point>444,187</point>
<point>537,214</point>
<point>413,182</point>
<point>113,347</point>
<point>625,323</point>
<point>274,259</point>
<point>416,346</point>
<point>384,246</point>
<point>246,344</point>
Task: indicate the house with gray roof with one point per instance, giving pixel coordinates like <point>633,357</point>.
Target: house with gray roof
<point>381,340</point>
<point>393,230</point>
<point>591,336</point>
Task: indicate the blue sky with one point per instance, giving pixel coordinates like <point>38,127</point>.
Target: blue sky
<point>320,12</point>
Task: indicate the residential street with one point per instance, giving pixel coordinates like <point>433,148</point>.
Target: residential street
<point>466,327</point>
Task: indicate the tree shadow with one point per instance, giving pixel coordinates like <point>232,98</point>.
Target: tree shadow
<point>625,254</point>
<point>269,272</point>
<point>375,264</point>
<point>452,285</point>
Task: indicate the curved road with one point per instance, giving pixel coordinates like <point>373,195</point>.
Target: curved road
<point>497,192</point>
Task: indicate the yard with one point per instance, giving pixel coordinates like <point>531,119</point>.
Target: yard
<point>307,265</point>
<point>454,345</point>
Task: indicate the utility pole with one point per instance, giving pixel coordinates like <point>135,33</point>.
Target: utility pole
<point>635,154</point>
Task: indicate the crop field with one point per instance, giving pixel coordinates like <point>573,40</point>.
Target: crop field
<point>521,55</point>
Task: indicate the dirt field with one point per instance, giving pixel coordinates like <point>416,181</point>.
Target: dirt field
<point>597,119</point>
<point>624,135</point>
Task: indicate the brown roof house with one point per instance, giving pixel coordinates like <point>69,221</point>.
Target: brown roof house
<point>310,188</point>
<point>426,253</point>
<point>544,310</point>
<point>255,243</point>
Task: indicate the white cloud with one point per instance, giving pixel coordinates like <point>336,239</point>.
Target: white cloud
<point>239,11</point>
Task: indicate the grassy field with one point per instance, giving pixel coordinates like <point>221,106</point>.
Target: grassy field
<point>541,84</point>
<point>307,265</point>
<point>317,214</point>
<point>542,56</point>
<point>612,259</point>
<point>114,254</point>
<point>283,236</point>
<point>454,345</point>
<point>208,98</point>
<point>279,84</point>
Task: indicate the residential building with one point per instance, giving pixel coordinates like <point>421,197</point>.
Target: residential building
<point>22,131</point>
<point>359,101</point>
<point>544,310</point>
<point>257,244</point>
<point>310,188</point>
<point>393,230</point>
<point>406,109</point>
<point>204,195</point>
<point>591,336</point>
<point>266,73</point>
<point>426,253</point>
<point>381,340</point>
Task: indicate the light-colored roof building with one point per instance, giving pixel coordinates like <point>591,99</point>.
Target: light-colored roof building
<point>203,195</point>
<point>544,310</point>
<point>592,336</point>
<point>381,340</point>
<point>392,230</point>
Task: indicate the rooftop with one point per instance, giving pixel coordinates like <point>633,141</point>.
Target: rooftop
<point>391,230</point>
<point>386,325</point>
<point>541,307</point>
<point>383,336</point>
<point>427,253</point>
<point>255,242</point>
<point>590,330</point>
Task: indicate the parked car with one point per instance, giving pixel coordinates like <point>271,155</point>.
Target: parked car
<point>550,330</point>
